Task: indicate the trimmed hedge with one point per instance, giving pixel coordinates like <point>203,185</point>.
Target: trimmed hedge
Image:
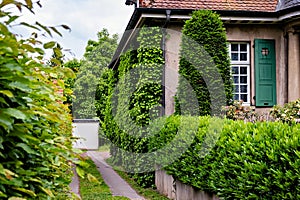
<point>249,161</point>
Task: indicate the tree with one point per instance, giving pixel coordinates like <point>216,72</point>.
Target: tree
<point>74,65</point>
<point>98,55</point>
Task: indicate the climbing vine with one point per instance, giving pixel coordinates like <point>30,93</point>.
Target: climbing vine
<point>134,100</point>
<point>204,55</point>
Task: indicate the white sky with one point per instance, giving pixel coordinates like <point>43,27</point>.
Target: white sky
<point>84,17</point>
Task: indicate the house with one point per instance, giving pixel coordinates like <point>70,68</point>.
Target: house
<point>263,41</point>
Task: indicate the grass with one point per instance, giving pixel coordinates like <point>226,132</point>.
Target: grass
<point>95,190</point>
<point>103,148</point>
<point>147,193</point>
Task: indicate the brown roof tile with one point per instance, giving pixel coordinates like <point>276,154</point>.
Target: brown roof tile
<point>238,5</point>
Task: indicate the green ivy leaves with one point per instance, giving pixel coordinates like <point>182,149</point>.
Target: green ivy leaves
<point>204,46</point>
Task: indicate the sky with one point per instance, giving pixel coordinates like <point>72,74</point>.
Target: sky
<point>84,17</point>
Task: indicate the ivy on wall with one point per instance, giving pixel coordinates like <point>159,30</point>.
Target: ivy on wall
<point>132,100</point>
<point>204,56</point>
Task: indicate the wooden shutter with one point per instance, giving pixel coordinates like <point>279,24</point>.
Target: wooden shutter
<point>265,72</point>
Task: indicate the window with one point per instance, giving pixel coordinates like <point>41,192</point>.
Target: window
<point>240,65</point>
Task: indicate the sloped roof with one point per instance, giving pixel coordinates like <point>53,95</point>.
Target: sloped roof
<point>283,4</point>
<point>236,5</point>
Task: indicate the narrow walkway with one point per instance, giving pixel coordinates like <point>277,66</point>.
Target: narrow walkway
<point>75,184</point>
<point>117,185</point>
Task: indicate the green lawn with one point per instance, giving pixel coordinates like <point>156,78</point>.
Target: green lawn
<point>95,190</point>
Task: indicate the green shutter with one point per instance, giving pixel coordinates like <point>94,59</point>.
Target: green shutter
<point>265,72</point>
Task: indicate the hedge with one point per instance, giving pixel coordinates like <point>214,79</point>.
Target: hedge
<point>36,152</point>
<point>248,161</point>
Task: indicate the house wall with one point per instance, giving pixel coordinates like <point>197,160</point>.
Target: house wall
<point>287,44</point>
<point>172,48</point>
<point>293,59</point>
<point>249,32</point>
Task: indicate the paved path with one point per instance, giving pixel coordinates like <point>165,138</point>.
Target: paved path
<point>117,185</point>
<point>75,184</point>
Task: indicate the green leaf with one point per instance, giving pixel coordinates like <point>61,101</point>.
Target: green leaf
<point>58,52</point>
<point>66,27</point>
<point>30,192</point>
<point>92,178</point>
<point>29,48</point>
<point>20,86</point>
<point>47,191</point>
<point>4,195</point>
<point>12,19</point>
<point>80,172</point>
<point>29,25</point>
<point>49,45</point>
<point>6,2</point>
<point>6,122</point>
<point>26,148</point>
<point>14,113</point>
<point>7,93</point>
<point>44,28</point>
<point>16,198</point>
<point>29,3</point>
<point>56,31</point>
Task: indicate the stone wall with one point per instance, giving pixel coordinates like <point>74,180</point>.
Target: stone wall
<point>176,190</point>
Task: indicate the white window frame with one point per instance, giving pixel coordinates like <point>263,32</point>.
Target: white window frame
<point>238,63</point>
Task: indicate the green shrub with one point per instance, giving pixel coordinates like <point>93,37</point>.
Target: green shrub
<point>249,161</point>
<point>35,126</point>
<point>289,113</point>
<point>203,58</point>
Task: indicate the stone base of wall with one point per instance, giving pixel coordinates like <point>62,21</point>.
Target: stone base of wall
<point>176,190</point>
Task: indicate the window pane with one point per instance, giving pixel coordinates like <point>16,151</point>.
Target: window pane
<point>243,47</point>
<point>243,70</point>
<point>236,79</point>
<point>244,97</point>
<point>243,56</point>
<point>235,70</point>
<point>236,97</point>
<point>244,88</point>
<point>237,90</point>
<point>234,56</point>
<point>234,47</point>
<point>243,79</point>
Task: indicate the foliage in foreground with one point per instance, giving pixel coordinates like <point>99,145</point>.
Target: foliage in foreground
<point>35,125</point>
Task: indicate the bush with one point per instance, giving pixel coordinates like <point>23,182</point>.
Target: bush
<point>35,126</point>
<point>249,161</point>
<point>289,113</point>
<point>237,111</point>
